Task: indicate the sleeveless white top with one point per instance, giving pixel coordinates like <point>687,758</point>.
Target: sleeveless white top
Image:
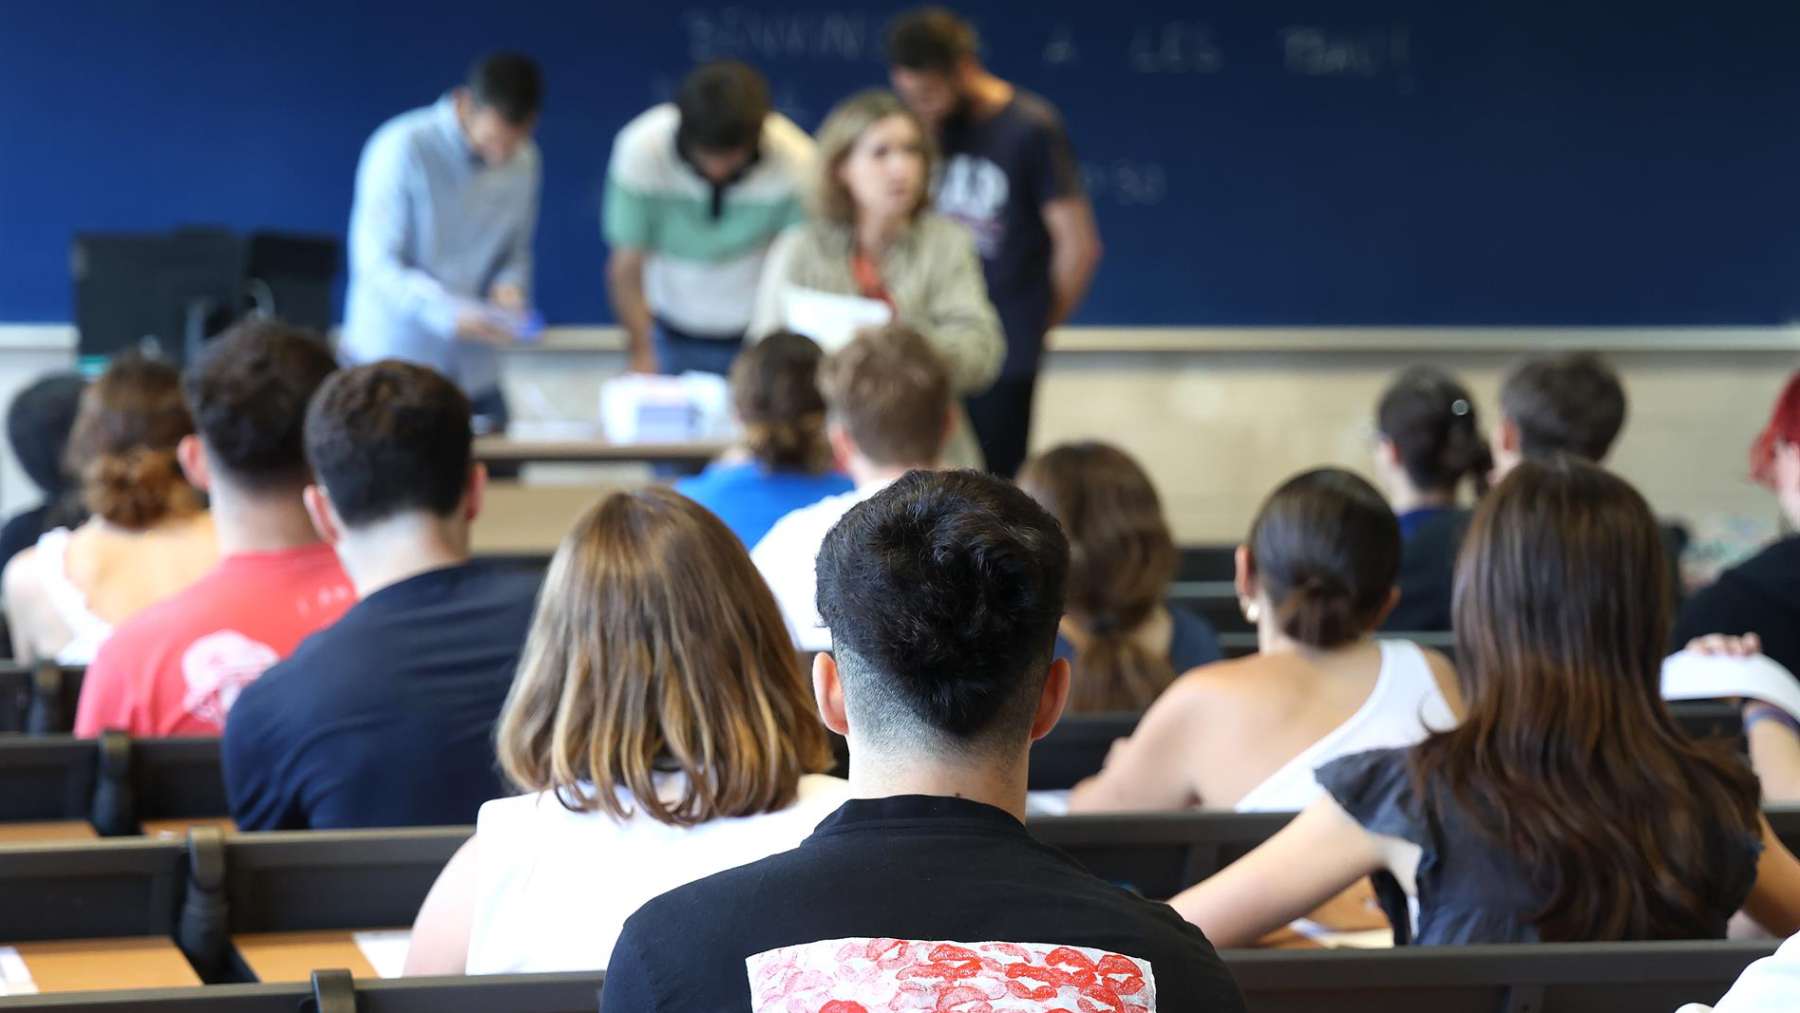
<point>554,887</point>
<point>1405,706</point>
<point>86,630</point>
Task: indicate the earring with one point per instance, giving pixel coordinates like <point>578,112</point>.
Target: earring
<point>1252,611</point>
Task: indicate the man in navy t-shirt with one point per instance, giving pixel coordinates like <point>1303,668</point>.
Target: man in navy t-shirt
<point>924,891</point>
<point>1010,175</point>
<point>386,717</point>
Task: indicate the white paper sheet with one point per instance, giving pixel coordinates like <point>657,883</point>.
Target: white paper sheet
<point>829,319</point>
<point>15,977</point>
<point>384,950</point>
<point>1690,676</point>
<point>1332,939</point>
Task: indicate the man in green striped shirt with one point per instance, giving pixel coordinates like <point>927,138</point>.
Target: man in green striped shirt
<point>696,190</point>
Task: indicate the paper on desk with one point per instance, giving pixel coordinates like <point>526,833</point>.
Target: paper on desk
<point>1690,676</point>
<point>1335,939</point>
<point>15,977</point>
<point>385,950</point>
<point>1047,802</point>
<point>829,319</point>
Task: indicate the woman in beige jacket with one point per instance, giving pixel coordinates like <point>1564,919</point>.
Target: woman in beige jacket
<point>872,236</point>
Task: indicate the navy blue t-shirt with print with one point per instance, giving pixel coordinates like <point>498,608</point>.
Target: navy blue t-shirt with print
<point>385,718</point>
<point>998,174</point>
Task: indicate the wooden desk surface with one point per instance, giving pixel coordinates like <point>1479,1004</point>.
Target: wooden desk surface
<point>1353,911</point>
<point>38,833</point>
<point>179,828</point>
<point>87,964</point>
<point>294,956</point>
<point>506,448</point>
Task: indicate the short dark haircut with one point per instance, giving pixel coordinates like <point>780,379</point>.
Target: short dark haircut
<point>510,84</point>
<point>388,438</point>
<point>931,39</point>
<point>943,593</point>
<point>723,105</point>
<point>1325,550</point>
<point>38,423</point>
<point>1565,404</point>
<point>248,394</point>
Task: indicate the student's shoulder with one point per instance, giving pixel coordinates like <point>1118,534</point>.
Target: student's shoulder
<point>806,526</point>
<point>785,142</point>
<point>643,150</point>
<point>1036,111</point>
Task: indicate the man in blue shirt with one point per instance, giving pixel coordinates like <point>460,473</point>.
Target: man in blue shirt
<point>441,231</point>
<point>386,717</point>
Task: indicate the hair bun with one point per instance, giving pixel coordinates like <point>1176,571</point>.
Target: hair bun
<point>1320,611</point>
<point>136,489</point>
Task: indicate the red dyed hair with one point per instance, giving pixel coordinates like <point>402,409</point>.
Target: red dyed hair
<point>1783,427</point>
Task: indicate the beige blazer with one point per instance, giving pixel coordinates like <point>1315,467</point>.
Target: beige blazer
<point>934,277</point>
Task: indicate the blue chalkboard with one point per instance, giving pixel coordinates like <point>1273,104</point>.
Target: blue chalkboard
<point>1383,162</point>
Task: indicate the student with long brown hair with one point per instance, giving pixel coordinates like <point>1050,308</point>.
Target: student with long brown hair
<point>1126,643</point>
<point>662,729</point>
<point>1316,577</point>
<point>1568,805</point>
<point>147,535</point>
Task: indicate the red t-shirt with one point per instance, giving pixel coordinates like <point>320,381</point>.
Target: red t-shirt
<point>177,667</point>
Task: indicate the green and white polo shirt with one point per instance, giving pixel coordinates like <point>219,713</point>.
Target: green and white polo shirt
<point>701,270</point>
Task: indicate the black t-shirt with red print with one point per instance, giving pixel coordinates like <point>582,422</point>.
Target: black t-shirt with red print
<point>940,903</point>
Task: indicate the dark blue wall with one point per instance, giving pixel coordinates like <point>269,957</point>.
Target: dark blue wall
<point>1255,163</point>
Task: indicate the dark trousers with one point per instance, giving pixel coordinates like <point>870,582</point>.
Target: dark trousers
<point>678,353</point>
<point>1001,416</point>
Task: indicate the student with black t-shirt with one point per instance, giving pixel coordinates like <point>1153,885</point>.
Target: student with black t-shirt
<point>943,593</point>
<point>386,717</point>
<point>1009,174</point>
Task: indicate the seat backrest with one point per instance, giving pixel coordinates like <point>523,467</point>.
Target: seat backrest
<point>1157,854</point>
<point>178,779</point>
<point>333,879</point>
<point>1076,748</point>
<point>46,777</point>
<point>1654,977</point>
<point>90,889</point>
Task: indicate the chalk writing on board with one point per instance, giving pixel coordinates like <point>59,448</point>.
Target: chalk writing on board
<point>1125,182</point>
<point>1060,51</point>
<point>743,33</point>
<point>1174,47</point>
<point>1310,51</point>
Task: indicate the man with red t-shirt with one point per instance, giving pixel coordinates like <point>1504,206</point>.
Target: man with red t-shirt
<point>176,667</point>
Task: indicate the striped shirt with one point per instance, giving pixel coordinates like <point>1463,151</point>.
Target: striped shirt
<point>705,245</point>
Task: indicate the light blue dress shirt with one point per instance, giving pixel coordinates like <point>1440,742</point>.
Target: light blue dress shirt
<point>432,230</point>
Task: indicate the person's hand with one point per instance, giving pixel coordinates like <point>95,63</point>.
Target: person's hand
<point>510,298</point>
<point>1723,645</point>
<point>480,325</point>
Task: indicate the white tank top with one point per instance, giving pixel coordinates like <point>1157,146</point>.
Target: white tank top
<point>1405,705</point>
<point>86,630</point>
<point>554,887</point>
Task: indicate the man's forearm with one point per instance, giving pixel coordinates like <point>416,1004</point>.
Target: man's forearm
<point>626,289</point>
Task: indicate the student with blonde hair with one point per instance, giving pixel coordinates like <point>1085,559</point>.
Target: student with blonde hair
<point>872,235</point>
<point>662,729</point>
